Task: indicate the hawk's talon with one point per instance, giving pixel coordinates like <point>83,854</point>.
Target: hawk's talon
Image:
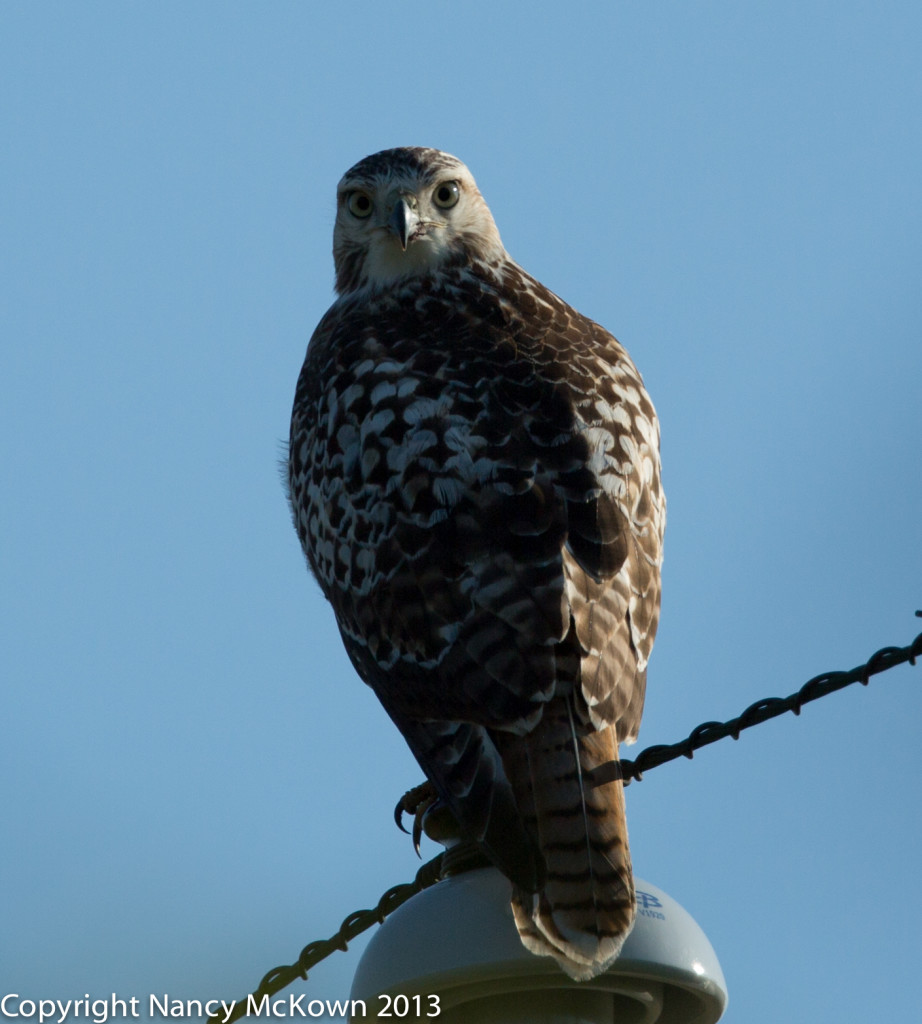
<point>418,832</point>
<point>398,817</point>
<point>416,801</point>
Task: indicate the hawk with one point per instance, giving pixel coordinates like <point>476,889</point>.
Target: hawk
<point>474,476</point>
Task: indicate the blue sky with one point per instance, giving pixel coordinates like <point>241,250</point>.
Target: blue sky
<point>195,784</point>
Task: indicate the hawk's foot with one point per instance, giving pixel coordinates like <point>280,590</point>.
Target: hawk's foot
<point>430,815</point>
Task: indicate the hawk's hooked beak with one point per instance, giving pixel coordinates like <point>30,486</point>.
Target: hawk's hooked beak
<point>403,220</point>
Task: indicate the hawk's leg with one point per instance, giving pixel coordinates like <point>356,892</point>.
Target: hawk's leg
<point>430,815</point>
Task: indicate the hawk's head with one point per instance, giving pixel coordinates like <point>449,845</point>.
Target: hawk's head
<point>406,213</point>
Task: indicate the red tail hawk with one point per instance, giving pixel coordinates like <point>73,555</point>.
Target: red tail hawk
<point>474,475</point>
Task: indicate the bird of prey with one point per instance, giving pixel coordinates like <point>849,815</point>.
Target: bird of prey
<point>474,477</point>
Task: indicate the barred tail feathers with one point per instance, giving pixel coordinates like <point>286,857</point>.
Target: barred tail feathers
<point>585,909</point>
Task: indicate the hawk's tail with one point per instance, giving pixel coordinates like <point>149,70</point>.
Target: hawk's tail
<point>585,910</point>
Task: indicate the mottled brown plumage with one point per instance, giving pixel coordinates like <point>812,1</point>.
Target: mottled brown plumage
<point>474,477</point>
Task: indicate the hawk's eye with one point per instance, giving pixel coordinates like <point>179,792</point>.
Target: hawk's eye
<point>446,195</point>
<point>359,204</point>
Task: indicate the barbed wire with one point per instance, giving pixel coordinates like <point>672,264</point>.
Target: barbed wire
<point>652,757</point>
<point>771,707</point>
<point>356,923</point>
